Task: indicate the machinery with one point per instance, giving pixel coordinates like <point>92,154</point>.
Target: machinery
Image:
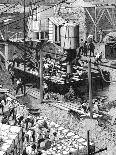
<point>69,42</point>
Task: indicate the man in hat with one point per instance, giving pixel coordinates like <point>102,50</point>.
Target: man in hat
<point>81,49</point>
<point>19,85</point>
<point>91,48</point>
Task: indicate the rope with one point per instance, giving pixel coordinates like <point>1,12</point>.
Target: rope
<point>103,76</point>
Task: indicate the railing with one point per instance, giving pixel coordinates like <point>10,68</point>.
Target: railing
<point>17,36</point>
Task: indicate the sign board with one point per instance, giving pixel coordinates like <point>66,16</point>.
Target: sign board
<point>110,51</point>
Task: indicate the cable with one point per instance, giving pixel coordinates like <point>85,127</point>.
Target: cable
<point>37,12</point>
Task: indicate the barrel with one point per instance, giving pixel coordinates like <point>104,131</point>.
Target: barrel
<point>69,36</point>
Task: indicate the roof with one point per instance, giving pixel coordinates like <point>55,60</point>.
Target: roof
<point>57,20</point>
<point>50,2</point>
<point>11,8</point>
<point>92,3</point>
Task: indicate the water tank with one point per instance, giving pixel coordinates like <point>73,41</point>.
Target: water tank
<point>69,36</point>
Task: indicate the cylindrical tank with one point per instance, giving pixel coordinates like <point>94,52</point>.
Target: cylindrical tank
<point>69,36</point>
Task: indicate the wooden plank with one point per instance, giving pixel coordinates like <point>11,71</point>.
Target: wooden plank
<point>50,27</point>
<point>90,16</point>
<point>11,96</point>
<point>20,95</point>
<point>2,90</point>
<point>50,33</point>
<point>51,30</point>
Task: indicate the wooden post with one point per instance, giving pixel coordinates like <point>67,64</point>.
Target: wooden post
<point>41,76</point>
<point>90,87</point>
<point>24,50</point>
<point>88,147</point>
<point>6,46</point>
<point>95,24</point>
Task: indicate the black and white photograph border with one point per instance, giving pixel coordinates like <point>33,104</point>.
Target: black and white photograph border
<point>57,77</point>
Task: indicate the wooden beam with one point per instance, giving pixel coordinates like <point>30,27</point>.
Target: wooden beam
<point>100,6</point>
<point>110,16</point>
<point>109,30</point>
<point>98,14</point>
<point>108,19</point>
<point>105,7</point>
<point>90,16</point>
<point>113,18</point>
<point>2,35</point>
<point>97,22</point>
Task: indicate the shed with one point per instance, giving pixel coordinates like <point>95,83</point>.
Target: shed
<point>55,23</point>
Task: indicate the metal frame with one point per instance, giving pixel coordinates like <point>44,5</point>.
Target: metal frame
<point>104,10</point>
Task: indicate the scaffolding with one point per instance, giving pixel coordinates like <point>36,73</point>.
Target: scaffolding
<point>101,10</point>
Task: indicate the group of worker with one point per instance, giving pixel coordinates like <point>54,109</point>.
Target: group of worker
<point>85,47</point>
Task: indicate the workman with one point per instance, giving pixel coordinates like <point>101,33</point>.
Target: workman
<point>81,49</point>
<point>19,85</point>
<point>98,57</point>
<point>85,48</point>
<point>91,48</point>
